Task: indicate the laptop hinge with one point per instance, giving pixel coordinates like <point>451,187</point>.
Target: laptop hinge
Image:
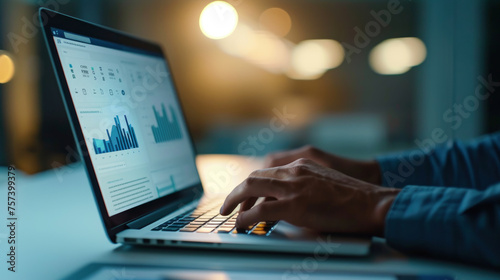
<point>152,217</point>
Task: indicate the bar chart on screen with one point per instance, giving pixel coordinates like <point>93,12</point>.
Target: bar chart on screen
<point>166,129</point>
<point>118,138</point>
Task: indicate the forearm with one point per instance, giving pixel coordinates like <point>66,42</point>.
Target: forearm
<point>448,222</point>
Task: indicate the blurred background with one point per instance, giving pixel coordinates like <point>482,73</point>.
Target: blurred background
<point>360,78</point>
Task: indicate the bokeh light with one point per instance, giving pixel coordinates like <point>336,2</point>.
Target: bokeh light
<point>312,58</point>
<point>277,21</point>
<point>218,20</point>
<point>334,52</point>
<point>239,43</point>
<point>7,68</point>
<point>417,48</point>
<point>269,52</point>
<point>397,56</point>
<point>261,48</point>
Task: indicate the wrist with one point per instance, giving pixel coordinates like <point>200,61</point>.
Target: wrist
<point>383,204</point>
<point>373,172</point>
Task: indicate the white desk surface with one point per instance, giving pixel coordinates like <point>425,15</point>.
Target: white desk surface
<point>59,231</point>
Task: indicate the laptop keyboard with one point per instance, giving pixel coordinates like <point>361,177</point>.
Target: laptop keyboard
<point>206,219</point>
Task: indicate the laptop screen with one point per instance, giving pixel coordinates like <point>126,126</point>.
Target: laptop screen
<point>130,118</point>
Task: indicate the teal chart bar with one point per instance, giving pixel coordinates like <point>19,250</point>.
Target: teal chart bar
<point>166,130</point>
<point>118,140</point>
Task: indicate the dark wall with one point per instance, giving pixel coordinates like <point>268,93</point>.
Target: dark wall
<point>493,64</point>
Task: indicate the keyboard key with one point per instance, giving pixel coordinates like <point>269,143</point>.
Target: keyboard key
<point>208,214</point>
<point>209,226</point>
<point>170,229</point>
<point>226,225</point>
<point>178,225</point>
<point>219,216</point>
<point>191,226</point>
<point>165,224</point>
<point>226,228</point>
<point>206,218</point>
<point>205,230</point>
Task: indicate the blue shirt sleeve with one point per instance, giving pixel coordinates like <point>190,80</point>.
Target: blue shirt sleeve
<point>449,205</point>
<point>474,165</point>
<point>451,222</point>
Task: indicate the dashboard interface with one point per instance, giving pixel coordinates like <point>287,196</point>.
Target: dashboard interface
<point>131,120</point>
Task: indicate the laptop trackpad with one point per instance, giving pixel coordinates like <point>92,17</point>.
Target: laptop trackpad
<point>284,229</point>
<point>289,231</point>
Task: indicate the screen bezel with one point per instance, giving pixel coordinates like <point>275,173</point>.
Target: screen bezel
<point>118,222</point>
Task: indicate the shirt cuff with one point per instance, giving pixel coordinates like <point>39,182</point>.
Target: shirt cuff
<point>388,164</point>
<point>424,219</point>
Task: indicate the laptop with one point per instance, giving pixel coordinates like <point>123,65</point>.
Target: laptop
<point>131,132</point>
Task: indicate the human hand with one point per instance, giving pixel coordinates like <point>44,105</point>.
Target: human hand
<point>368,171</point>
<point>307,194</point>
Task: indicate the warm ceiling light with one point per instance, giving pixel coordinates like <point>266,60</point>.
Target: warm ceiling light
<point>269,52</point>
<point>417,48</point>
<point>397,56</point>
<point>240,42</point>
<point>311,58</point>
<point>7,68</point>
<point>261,48</point>
<point>334,52</point>
<point>277,21</point>
<point>218,20</point>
